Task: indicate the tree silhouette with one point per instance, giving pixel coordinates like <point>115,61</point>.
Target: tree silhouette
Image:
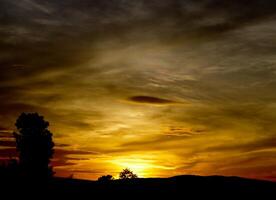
<point>34,144</point>
<point>127,174</point>
<point>106,178</point>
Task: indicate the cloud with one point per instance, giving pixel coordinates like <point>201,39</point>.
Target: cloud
<point>66,157</point>
<point>150,100</point>
<point>86,171</point>
<point>60,153</point>
<point>257,145</point>
<point>5,133</point>
<point>7,143</point>
<point>62,145</point>
<point>62,156</point>
<point>183,132</point>
<point>8,153</point>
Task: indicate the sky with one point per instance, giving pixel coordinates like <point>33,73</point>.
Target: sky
<point>163,87</point>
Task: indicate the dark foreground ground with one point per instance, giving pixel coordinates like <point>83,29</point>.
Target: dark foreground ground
<point>180,187</point>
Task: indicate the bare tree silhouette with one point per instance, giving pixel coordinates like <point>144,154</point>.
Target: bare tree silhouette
<point>34,144</point>
<point>127,174</point>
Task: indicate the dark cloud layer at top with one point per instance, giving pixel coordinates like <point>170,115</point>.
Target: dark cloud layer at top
<point>45,29</point>
<point>39,36</point>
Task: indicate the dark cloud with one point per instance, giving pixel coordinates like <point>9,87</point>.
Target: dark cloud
<point>8,153</point>
<point>5,133</point>
<point>7,143</point>
<point>62,157</point>
<point>258,145</point>
<point>62,163</point>
<point>182,132</point>
<point>86,171</point>
<point>66,157</point>
<point>62,145</point>
<point>150,100</point>
<point>67,153</point>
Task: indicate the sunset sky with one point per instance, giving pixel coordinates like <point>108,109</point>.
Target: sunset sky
<point>163,87</point>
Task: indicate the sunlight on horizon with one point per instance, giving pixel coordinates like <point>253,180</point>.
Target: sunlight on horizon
<point>144,168</point>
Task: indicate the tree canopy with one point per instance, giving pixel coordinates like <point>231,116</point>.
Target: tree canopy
<point>34,144</point>
<point>127,174</point>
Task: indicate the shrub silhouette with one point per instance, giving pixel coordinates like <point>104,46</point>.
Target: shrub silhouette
<point>106,178</point>
<point>127,174</point>
<point>34,144</point>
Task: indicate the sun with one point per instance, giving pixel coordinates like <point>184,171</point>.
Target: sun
<point>143,165</point>
<point>143,168</point>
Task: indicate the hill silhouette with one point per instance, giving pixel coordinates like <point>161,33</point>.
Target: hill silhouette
<point>185,186</point>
